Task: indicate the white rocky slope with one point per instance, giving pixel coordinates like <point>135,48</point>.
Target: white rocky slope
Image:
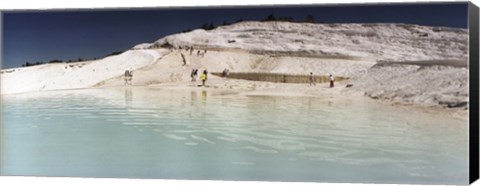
<point>430,62</point>
<point>294,48</point>
<point>74,75</point>
<point>388,42</point>
<point>433,85</point>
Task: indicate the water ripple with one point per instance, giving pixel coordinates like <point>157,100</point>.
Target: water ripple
<point>303,129</point>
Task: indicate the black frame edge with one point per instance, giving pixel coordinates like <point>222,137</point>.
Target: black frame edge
<point>473,24</point>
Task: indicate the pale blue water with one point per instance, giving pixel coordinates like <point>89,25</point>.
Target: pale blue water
<point>211,135</point>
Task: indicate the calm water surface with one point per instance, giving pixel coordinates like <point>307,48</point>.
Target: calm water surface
<point>198,134</point>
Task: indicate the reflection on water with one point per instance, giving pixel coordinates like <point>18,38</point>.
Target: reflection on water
<point>200,134</point>
<point>204,95</point>
<point>128,96</point>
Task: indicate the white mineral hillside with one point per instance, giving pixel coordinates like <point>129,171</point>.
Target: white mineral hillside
<point>390,42</point>
<point>406,54</point>
<point>74,75</point>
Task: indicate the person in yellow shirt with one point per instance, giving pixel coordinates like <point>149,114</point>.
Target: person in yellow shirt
<point>204,77</point>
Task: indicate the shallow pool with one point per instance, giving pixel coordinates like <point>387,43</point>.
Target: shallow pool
<point>214,135</point>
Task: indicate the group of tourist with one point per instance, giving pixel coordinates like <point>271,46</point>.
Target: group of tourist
<point>191,49</point>
<point>129,76</point>
<point>194,75</point>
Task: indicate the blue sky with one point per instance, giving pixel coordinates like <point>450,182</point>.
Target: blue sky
<point>68,35</point>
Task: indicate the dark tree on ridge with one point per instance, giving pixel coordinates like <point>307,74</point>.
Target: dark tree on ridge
<point>270,17</point>
<point>310,19</point>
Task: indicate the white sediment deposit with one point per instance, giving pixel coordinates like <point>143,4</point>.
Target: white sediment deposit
<point>427,84</point>
<point>397,62</point>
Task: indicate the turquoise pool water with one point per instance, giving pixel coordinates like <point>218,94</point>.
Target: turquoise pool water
<point>212,135</point>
